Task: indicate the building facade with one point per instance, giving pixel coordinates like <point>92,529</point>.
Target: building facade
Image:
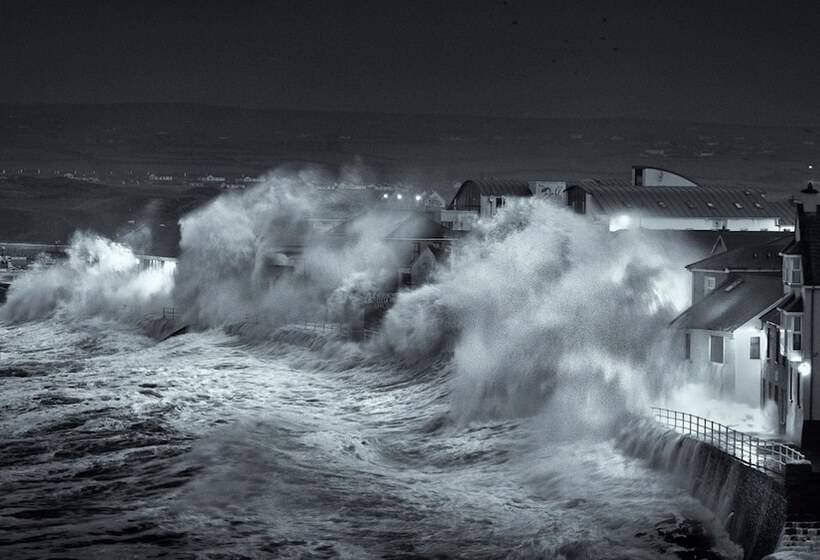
<point>753,330</point>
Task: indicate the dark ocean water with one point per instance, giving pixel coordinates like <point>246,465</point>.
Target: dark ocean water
<point>211,446</point>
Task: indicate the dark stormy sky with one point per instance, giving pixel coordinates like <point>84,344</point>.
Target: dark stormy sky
<point>715,60</point>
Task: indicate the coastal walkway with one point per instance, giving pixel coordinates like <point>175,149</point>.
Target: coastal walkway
<point>765,455</point>
<point>792,475</point>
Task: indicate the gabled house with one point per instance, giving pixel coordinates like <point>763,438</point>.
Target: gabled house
<point>720,334</point>
<point>481,199</point>
<point>420,243</point>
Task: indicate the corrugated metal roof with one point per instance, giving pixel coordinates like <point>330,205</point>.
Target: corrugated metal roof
<point>754,257</point>
<point>710,202</point>
<point>500,187</point>
<point>725,311</point>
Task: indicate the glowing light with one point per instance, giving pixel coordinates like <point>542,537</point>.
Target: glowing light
<point>385,195</point>
<point>619,222</point>
<point>804,369</point>
<point>399,196</point>
<point>418,198</point>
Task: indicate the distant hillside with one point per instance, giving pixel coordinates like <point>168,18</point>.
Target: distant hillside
<point>429,150</point>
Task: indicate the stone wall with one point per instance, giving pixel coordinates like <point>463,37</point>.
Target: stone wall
<point>751,504</point>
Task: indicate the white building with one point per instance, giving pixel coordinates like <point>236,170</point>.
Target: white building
<point>621,205</point>
<point>481,199</point>
<point>793,367</point>
<point>721,334</point>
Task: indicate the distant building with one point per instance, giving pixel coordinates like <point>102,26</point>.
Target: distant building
<point>481,199</point>
<point>433,200</point>
<point>212,179</point>
<point>657,177</point>
<point>487,197</point>
<point>620,205</point>
<point>420,243</point>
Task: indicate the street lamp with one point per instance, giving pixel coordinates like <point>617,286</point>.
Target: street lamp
<point>804,369</point>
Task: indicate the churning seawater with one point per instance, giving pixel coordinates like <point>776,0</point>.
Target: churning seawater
<point>217,445</point>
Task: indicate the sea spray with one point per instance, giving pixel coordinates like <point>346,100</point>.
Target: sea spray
<point>235,262</point>
<point>99,277</point>
<point>548,307</point>
<point>544,311</point>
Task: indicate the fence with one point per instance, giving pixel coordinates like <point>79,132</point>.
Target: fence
<point>761,454</point>
<point>342,329</point>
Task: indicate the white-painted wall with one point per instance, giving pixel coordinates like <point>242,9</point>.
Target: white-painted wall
<point>747,372</point>
<point>660,178</point>
<point>458,220</point>
<point>625,221</point>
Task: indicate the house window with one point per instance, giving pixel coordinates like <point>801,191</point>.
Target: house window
<point>769,341</point>
<point>790,383</point>
<point>499,202</point>
<point>797,386</point>
<point>687,346</point>
<point>794,277</point>
<point>716,349</point>
<point>797,338</point>
<point>709,283</point>
<point>754,348</point>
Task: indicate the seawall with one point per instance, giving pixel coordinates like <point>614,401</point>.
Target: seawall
<point>162,328</point>
<point>751,504</point>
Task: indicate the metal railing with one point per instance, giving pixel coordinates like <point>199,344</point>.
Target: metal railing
<point>342,329</point>
<point>765,455</point>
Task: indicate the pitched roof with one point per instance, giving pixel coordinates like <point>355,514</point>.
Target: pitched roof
<point>709,202</point>
<point>759,258</point>
<point>419,227</point>
<point>472,189</point>
<point>792,305</point>
<point>772,316</point>
<point>503,187</point>
<point>687,244</point>
<point>741,298</point>
<point>734,239</point>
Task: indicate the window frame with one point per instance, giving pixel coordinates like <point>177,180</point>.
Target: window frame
<point>796,331</point>
<point>712,339</point>
<point>709,280</point>
<point>754,348</point>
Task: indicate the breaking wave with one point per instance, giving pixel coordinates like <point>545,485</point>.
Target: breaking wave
<point>475,424</point>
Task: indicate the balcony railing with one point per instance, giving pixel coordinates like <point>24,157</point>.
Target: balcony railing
<point>765,455</point>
